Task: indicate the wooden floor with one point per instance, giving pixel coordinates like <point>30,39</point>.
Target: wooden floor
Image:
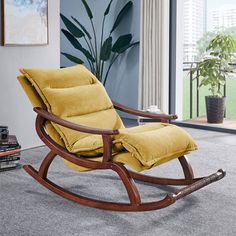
<point>227,124</point>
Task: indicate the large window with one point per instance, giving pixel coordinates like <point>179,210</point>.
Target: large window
<point>201,21</point>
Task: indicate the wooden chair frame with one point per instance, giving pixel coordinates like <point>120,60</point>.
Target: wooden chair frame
<point>127,177</point>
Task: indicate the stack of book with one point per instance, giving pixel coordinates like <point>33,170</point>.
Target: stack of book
<point>9,154</point>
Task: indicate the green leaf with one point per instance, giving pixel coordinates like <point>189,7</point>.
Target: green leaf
<point>124,11</point>
<point>82,27</point>
<point>87,54</point>
<point>127,47</point>
<point>108,8</point>
<point>106,49</point>
<point>73,58</point>
<point>72,39</point>
<point>72,27</point>
<point>77,45</point>
<point>121,43</point>
<point>88,10</point>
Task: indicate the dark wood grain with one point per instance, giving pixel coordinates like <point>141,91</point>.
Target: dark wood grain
<point>127,177</point>
<point>187,168</point>
<point>199,184</point>
<point>43,170</point>
<point>162,117</point>
<point>50,117</point>
<point>107,148</point>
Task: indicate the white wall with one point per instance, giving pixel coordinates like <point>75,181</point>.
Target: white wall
<point>16,110</point>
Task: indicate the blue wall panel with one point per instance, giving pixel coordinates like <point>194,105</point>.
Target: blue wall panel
<point>122,84</point>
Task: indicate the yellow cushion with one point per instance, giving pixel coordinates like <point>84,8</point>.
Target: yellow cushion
<point>32,94</point>
<point>58,78</point>
<point>79,100</point>
<point>36,101</point>
<point>123,157</point>
<point>151,144</point>
<point>74,94</point>
<point>157,143</point>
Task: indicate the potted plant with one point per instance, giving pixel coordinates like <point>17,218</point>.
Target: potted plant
<point>98,53</point>
<point>213,70</point>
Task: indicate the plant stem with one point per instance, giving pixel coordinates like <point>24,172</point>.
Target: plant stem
<point>102,69</point>
<point>213,90</point>
<point>90,64</point>
<point>101,43</point>
<point>109,68</point>
<point>91,45</point>
<point>96,48</point>
<point>91,51</point>
<point>103,64</point>
<point>219,87</point>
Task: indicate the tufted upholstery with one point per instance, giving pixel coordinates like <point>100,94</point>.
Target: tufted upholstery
<point>74,94</point>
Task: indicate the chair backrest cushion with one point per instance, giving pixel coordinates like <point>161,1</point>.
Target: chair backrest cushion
<point>31,92</point>
<point>74,94</point>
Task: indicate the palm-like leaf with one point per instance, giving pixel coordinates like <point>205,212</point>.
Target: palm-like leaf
<point>88,10</point>
<point>87,54</point>
<point>77,45</point>
<point>108,8</point>
<point>82,27</point>
<point>72,27</point>
<point>124,11</point>
<point>73,58</point>
<point>122,50</point>
<point>97,60</point>
<point>106,49</point>
<point>122,42</point>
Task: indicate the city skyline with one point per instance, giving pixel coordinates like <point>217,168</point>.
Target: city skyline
<point>201,16</point>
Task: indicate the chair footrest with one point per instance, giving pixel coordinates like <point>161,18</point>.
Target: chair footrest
<point>198,185</point>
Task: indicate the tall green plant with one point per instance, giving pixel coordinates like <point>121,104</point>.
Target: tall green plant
<point>215,66</point>
<point>97,55</point>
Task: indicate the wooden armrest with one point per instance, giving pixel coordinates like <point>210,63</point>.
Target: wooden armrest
<point>50,117</point>
<point>143,113</point>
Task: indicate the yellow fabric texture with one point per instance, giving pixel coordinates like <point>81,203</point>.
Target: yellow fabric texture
<point>36,101</point>
<point>74,94</point>
<point>122,157</point>
<point>32,94</point>
<point>155,144</point>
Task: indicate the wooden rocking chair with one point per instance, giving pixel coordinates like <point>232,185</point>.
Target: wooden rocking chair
<point>48,90</point>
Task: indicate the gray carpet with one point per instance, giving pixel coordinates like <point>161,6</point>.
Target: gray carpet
<point>27,208</point>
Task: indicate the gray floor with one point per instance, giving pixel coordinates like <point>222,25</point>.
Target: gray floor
<point>26,208</point>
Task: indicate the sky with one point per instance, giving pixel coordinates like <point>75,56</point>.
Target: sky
<point>217,3</point>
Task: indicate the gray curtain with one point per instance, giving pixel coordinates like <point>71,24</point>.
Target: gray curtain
<point>154,54</point>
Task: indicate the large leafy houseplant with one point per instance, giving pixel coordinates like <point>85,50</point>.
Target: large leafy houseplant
<point>213,70</point>
<point>98,53</point>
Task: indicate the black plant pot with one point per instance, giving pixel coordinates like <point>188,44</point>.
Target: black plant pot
<point>215,108</point>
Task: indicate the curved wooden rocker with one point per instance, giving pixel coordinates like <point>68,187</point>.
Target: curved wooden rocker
<point>127,177</point>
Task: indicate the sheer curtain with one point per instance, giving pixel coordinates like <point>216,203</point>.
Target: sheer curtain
<point>154,54</point>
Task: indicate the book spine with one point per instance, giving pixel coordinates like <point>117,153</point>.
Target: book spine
<point>9,145</point>
<point>16,158</point>
<point>8,164</point>
<point>5,148</point>
<point>12,140</point>
<point>9,152</point>
<point>18,166</point>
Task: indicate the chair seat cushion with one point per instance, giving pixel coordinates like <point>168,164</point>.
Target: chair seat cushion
<point>151,144</point>
<point>74,94</point>
<point>122,157</point>
<point>155,144</point>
